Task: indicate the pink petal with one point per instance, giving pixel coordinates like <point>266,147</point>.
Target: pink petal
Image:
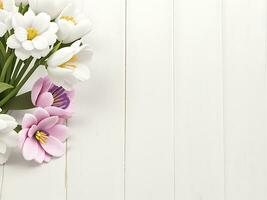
<point>40,155</point>
<point>30,149</point>
<point>28,120</point>
<point>40,114</point>
<point>22,137</point>
<point>60,132</point>
<point>48,123</point>
<point>55,111</point>
<point>46,85</point>
<point>47,158</point>
<point>36,90</point>
<point>53,147</point>
<point>45,99</point>
<point>32,130</point>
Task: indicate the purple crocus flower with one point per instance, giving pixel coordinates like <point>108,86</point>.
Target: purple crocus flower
<point>46,94</point>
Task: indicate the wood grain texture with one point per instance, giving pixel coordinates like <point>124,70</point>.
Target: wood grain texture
<point>95,149</point>
<point>199,151</point>
<point>149,103</point>
<point>245,99</point>
<point>175,109</point>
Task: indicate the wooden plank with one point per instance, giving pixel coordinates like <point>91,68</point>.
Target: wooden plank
<point>245,99</point>
<point>149,111</point>
<point>28,180</point>
<point>95,150</point>
<point>198,100</point>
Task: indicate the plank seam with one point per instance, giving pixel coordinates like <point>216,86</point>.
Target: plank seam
<point>222,93</point>
<point>174,100</point>
<point>125,96</point>
<point>2,182</point>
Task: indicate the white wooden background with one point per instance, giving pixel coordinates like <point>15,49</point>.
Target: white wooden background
<point>175,110</point>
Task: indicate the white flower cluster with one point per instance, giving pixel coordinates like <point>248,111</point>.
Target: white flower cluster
<point>35,32</point>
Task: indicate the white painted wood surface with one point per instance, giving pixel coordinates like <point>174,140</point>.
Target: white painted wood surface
<point>175,110</point>
<point>199,157</point>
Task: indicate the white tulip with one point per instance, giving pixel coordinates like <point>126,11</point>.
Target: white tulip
<point>33,35</point>
<point>8,137</point>
<point>7,5</point>
<point>51,7</point>
<point>7,8</point>
<point>3,23</point>
<point>23,2</point>
<point>68,66</point>
<point>72,24</point>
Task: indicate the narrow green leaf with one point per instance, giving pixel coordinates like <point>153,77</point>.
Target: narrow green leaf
<point>2,50</point>
<point>6,66</point>
<point>21,102</point>
<point>4,87</point>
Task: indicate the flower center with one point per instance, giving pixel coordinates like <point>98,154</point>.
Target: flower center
<point>69,18</point>
<point>70,62</point>
<point>1,5</point>
<point>41,137</point>
<point>61,98</point>
<point>32,33</point>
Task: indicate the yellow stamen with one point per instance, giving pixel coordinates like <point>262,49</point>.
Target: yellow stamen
<point>32,33</point>
<point>41,137</point>
<point>1,5</point>
<point>69,18</point>
<point>70,62</point>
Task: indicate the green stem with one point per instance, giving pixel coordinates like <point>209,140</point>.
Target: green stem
<point>10,70</point>
<point>23,70</point>
<point>16,71</point>
<point>15,91</point>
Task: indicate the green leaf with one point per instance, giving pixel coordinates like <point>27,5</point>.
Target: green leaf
<point>21,102</point>
<point>4,87</point>
<point>2,50</point>
<point>6,66</point>
<point>18,128</point>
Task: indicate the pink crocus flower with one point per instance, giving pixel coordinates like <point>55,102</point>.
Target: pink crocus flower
<point>46,94</point>
<point>42,136</point>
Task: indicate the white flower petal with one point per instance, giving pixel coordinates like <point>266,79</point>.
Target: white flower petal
<point>12,42</point>
<point>41,22</point>
<point>53,28</point>
<point>28,18</point>
<point>40,43</point>
<point>3,125</point>
<point>51,38</point>
<point>40,53</point>
<point>4,157</point>
<point>65,30</point>
<point>22,54</point>
<point>3,29</point>
<point>83,28</point>
<point>82,72</point>
<point>10,139</point>
<point>69,10</point>
<point>9,5</point>
<point>24,2</point>
<point>18,21</point>
<point>76,44</point>
<point>3,147</point>
<point>28,45</point>
<point>21,34</point>
<point>51,7</point>
<point>60,57</point>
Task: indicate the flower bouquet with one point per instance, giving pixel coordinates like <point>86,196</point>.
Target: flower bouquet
<point>39,34</point>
